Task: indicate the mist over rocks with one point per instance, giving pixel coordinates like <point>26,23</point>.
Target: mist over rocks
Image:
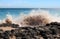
<point>34,17</point>
<point>40,25</point>
<point>35,20</point>
<point>8,23</point>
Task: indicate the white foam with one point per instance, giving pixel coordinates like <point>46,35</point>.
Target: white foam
<point>44,13</point>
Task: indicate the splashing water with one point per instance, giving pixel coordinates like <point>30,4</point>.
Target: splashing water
<point>35,17</point>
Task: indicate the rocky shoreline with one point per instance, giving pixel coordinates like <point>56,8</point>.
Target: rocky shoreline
<point>48,31</point>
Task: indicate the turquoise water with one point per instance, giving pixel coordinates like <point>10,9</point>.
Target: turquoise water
<point>13,11</point>
<point>18,11</point>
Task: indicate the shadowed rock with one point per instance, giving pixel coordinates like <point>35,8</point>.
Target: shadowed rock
<point>48,31</point>
<point>9,23</point>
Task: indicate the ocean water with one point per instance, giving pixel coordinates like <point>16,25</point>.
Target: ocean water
<point>51,13</point>
<point>17,11</point>
<point>13,11</point>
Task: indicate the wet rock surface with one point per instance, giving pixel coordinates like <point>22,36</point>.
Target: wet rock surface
<point>48,31</point>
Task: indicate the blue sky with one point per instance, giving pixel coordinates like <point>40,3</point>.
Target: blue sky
<point>29,3</point>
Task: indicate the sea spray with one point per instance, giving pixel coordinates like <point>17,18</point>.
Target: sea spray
<point>35,17</point>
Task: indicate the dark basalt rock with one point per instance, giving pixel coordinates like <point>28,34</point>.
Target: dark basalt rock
<point>48,31</point>
<point>9,25</point>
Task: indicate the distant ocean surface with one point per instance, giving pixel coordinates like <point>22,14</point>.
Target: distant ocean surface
<point>13,11</point>
<point>16,11</point>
